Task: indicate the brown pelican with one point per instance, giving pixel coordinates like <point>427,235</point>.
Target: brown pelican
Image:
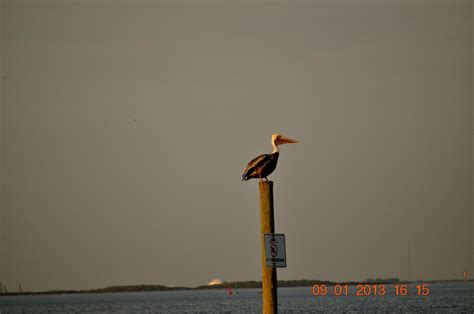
<point>263,165</point>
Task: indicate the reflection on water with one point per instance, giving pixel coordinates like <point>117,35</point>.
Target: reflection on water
<point>444,297</point>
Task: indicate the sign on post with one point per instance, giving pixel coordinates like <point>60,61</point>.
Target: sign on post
<point>275,251</point>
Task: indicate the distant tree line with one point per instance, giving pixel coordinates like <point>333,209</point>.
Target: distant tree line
<point>382,280</point>
<point>137,288</point>
<point>234,285</point>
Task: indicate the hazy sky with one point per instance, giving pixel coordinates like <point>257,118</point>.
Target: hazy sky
<point>126,125</point>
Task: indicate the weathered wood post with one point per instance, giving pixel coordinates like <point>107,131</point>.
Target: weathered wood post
<point>269,274</point>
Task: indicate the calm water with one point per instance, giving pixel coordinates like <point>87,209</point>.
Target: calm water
<point>446,297</point>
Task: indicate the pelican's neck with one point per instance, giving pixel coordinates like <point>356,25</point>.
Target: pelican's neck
<point>275,148</point>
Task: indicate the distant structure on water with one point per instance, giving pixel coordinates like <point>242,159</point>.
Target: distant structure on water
<point>215,282</point>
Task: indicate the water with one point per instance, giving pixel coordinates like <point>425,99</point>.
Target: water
<point>443,297</point>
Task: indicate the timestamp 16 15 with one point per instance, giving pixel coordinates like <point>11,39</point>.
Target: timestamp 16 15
<point>370,290</point>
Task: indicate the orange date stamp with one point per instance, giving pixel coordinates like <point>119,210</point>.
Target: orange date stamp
<point>365,290</point>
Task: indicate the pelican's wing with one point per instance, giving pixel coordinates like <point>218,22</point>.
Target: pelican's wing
<point>255,164</point>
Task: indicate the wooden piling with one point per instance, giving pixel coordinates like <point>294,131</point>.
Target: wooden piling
<point>269,274</point>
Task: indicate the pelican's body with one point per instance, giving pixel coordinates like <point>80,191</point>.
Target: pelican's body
<point>263,165</point>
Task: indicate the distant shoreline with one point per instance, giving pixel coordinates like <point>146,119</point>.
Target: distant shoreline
<point>224,285</point>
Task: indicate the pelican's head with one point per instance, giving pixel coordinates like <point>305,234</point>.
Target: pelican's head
<point>277,139</point>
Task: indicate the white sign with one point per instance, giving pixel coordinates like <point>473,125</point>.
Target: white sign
<point>275,251</point>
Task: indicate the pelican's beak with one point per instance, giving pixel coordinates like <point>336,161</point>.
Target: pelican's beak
<point>285,140</point>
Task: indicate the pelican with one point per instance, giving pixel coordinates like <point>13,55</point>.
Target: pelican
<point>263,165</point>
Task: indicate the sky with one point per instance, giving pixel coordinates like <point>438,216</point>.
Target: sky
<point>126,126</point>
